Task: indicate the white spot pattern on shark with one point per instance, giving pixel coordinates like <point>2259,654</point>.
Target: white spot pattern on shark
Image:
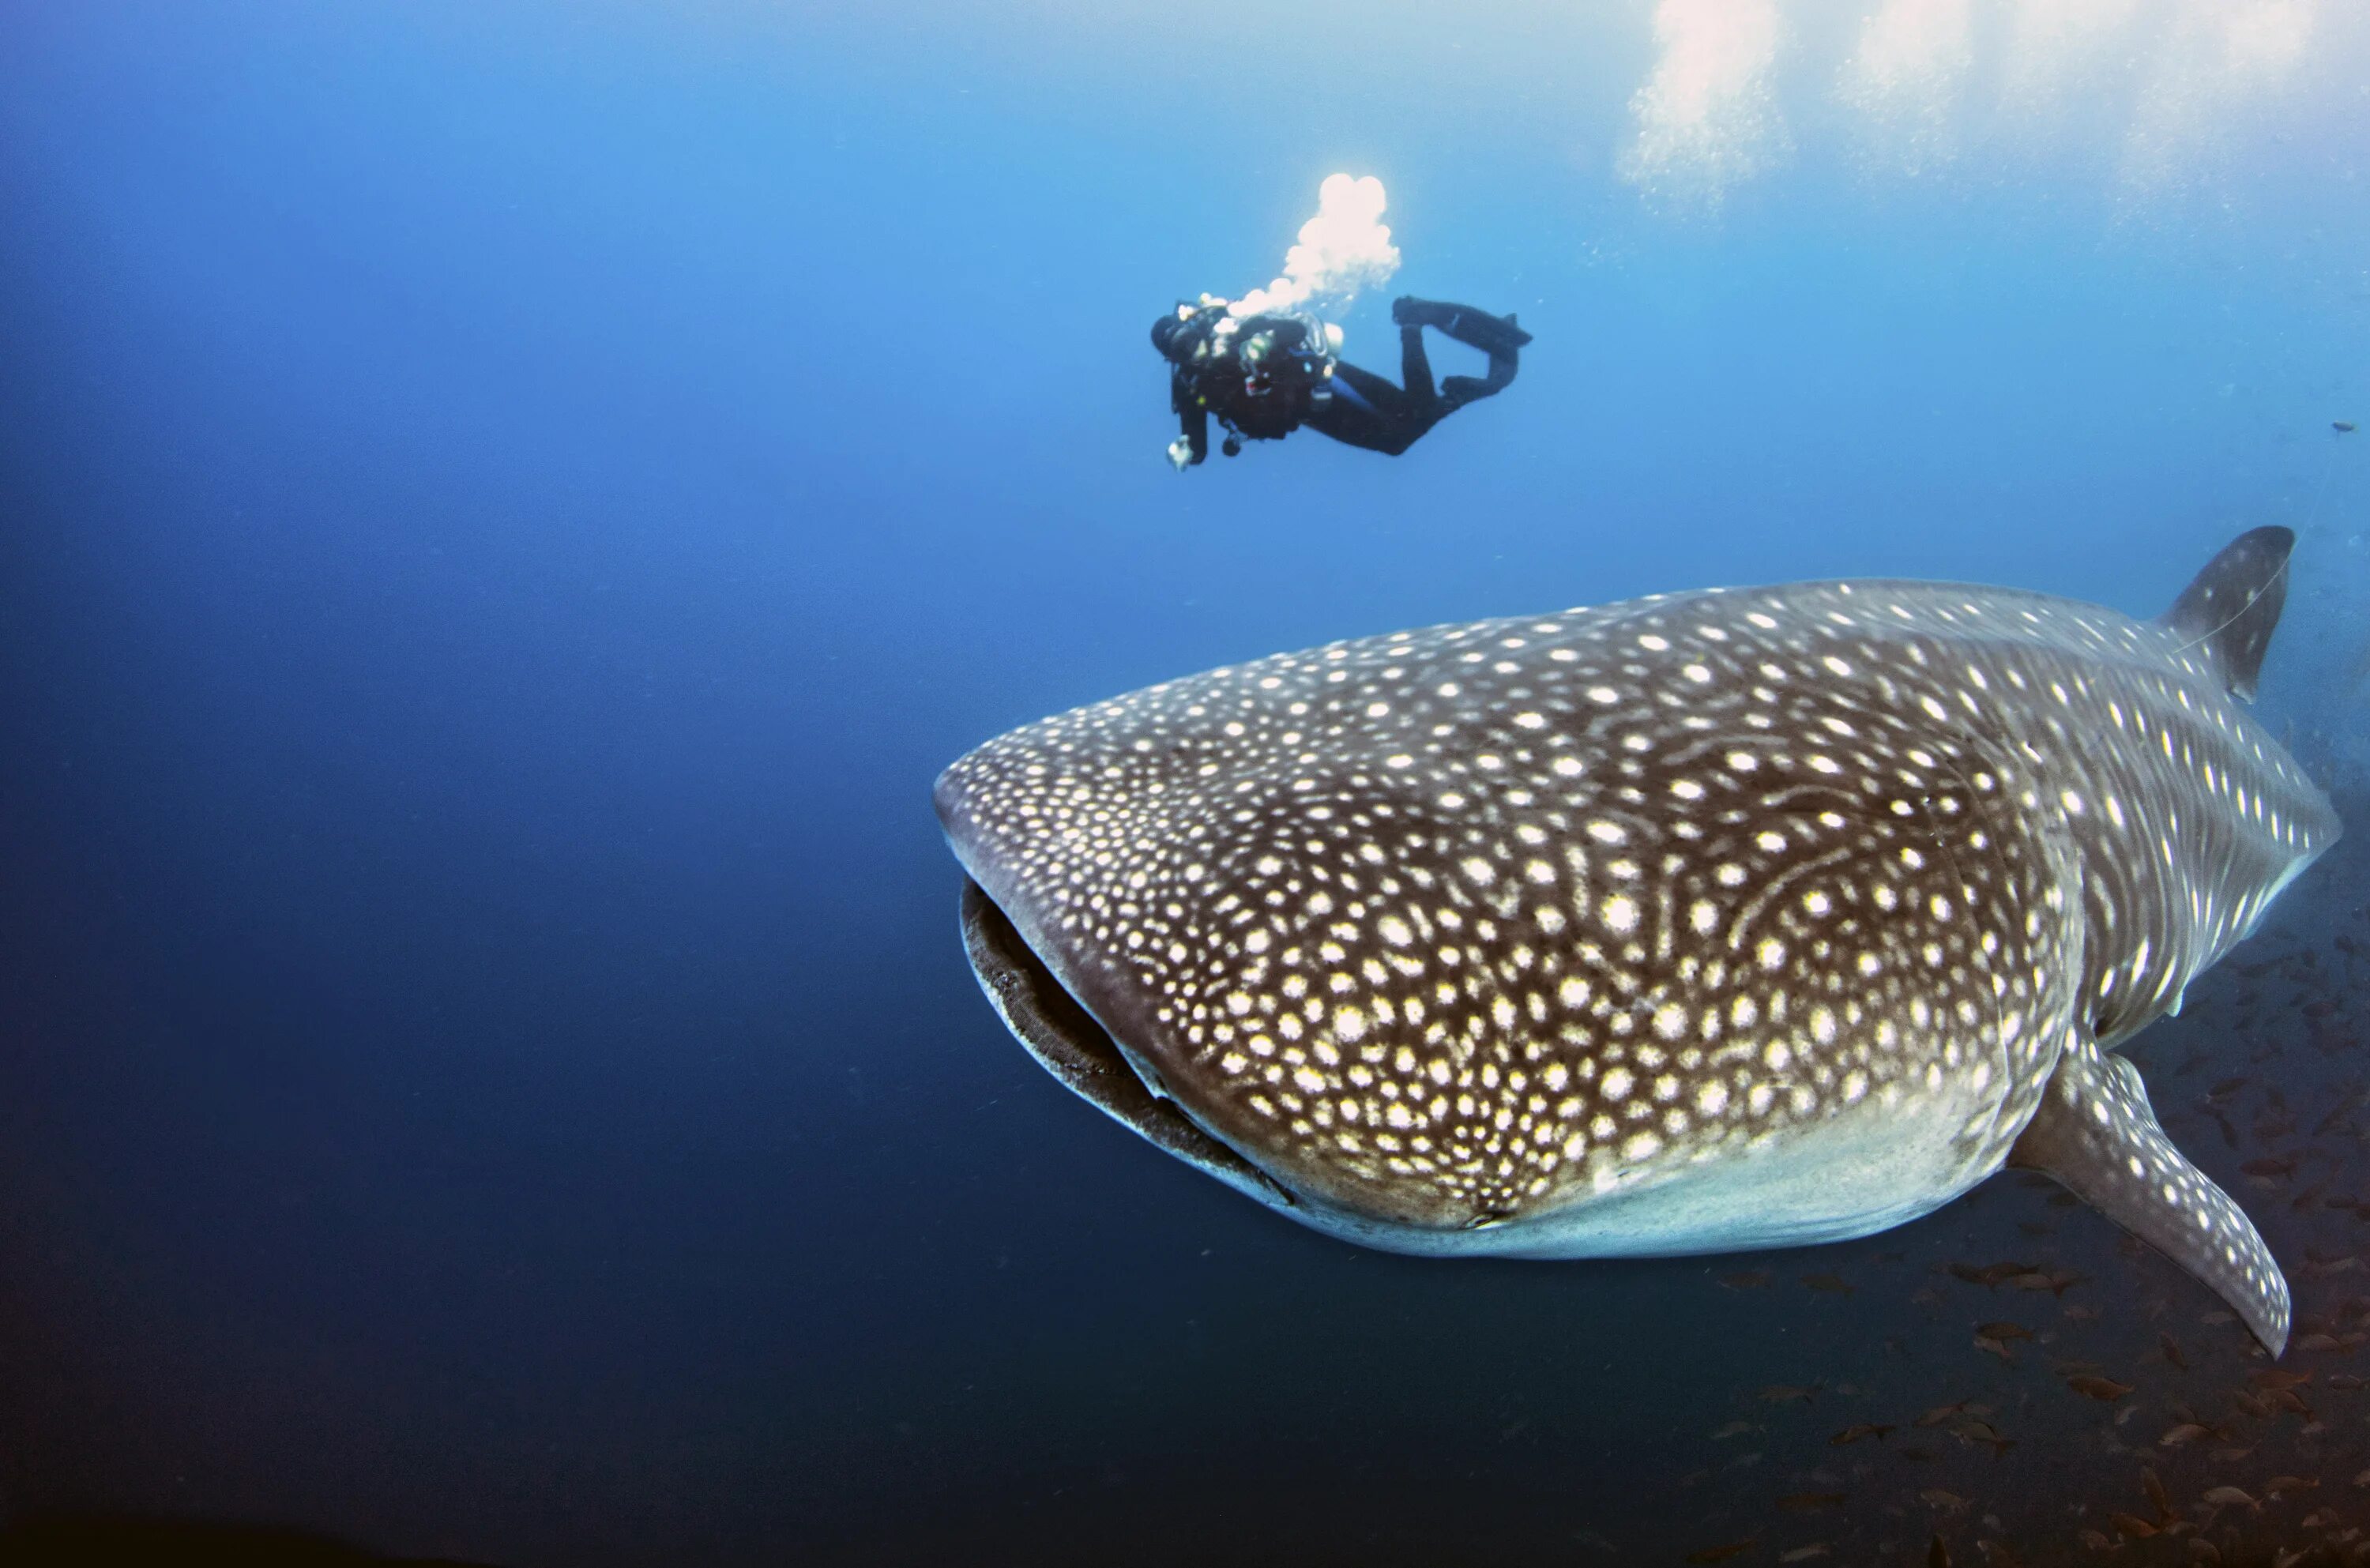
<point>1704,921</point>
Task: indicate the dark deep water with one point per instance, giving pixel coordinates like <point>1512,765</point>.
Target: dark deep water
<point>504,510</point>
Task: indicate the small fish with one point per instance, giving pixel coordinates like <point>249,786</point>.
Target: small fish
<point>1722,1553</point>
<point>2228,1498</point>
<point>1939,1414</point>
<point>1733,1429</point>
<point>1858,1430</point>
<point>2342,427</point>
<point>2278,1377</point>
<point>2132,1525</point>
<point>2344,1381</point>
<point>2319,1341</point>
<point>2004,1331</point>
<point>1751,1279</point>
<point>2171,1348</point>
<point>2224,1089</point>
<point>2034,1279</point>
<point>1784,1393</point>
<point>2181,1436</point>
<point>1948,1501</point>
<point>1810,1502</point>
<point>2277,1168</point>
<point>2279,1486</point>
<point>1827,1285</point>
<point>2158,1498</point>
<point>2098,1388</point>
<point>2077,1313</point>
<point>1991,1346</point>
<point>1990,1275</point>
<point>1973,1430</point>
<point>2338,1113</point>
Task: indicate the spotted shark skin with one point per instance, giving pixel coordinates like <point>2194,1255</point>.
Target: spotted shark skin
<point>1698,923</point>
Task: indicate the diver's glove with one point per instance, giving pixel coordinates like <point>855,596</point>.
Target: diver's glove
<point>1181,454</point>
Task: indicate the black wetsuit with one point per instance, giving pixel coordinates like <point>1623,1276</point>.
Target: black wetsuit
<point>1209,376</point>
<point>1352,405</point>
<point>1366,410</point>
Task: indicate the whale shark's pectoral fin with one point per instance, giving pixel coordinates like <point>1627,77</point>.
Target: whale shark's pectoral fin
<point>2095,1133</point>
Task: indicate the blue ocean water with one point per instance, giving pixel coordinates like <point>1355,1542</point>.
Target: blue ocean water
<point>505,510</point>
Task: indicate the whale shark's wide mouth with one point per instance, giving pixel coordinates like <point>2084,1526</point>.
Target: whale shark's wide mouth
<point>1064,1036</point>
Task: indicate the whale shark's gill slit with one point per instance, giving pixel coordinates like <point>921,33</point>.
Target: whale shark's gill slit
<point>2019,1093</point>
<point>2087,1124</point>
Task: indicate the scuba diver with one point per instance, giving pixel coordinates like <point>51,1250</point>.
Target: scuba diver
<point>1264,377</point>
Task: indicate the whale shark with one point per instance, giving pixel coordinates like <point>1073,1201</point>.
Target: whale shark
<point>1703,922</point>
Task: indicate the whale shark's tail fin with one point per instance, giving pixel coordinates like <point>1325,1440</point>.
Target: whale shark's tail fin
<point>2232,608</point>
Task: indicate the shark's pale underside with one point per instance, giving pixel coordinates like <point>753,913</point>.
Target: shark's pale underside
<point>1707,921</point>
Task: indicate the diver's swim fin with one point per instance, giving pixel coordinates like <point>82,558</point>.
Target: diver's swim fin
<point>1455,391</point>
<point>1490,334</point>
<point>1477,328</point>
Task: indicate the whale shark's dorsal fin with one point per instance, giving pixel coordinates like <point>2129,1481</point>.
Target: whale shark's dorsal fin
<point>2095,1133</point>
<point>2231,609</point>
